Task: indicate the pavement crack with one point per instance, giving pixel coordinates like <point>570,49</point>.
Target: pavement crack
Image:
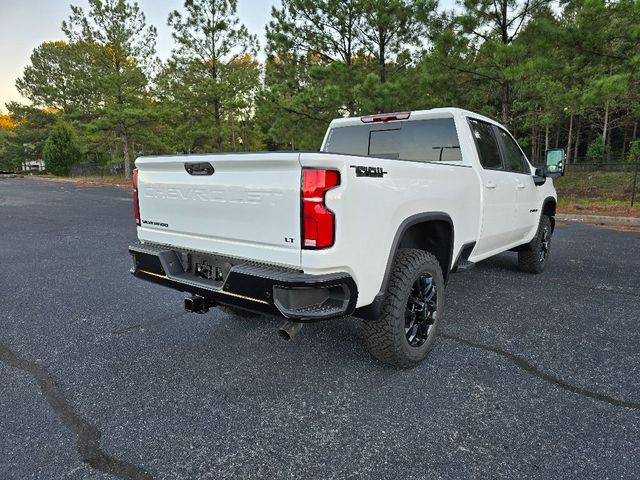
<point>533,370</point>
<point>88,436</point>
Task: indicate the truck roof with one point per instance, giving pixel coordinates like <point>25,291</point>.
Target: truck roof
<point>416,115</point>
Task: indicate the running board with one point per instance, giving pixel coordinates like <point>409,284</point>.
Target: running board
<point>462,263</point>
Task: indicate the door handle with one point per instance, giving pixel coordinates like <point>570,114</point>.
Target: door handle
<point>201,168</point>
<point>490,185</point>
<point>519,186</point>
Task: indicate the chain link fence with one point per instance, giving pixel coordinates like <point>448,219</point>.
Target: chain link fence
<point>88,169</point>
<point>601,167</point>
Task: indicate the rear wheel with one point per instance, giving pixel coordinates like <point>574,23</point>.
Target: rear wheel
<point>411,311</point>
<point>534,259</point>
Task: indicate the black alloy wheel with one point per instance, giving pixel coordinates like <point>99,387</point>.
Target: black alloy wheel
<point>421,311</point>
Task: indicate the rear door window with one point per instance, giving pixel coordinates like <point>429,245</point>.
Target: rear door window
<point>514,158</point>
<point>431,140</point>
<point>487,145</point>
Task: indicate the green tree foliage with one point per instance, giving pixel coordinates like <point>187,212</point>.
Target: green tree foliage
<point>312,44</point>
<point>121,48</point>
<point>328,58</point>
<point>25,140</point>
<point>634,153</point>
<point>597,151</point>
<point>493,28</point>
<point>8,163</point>
<point>391,28</point>
<point>60,150</point>
<point>57,77</point>
<point>212,72</point>
<point>559,75</point>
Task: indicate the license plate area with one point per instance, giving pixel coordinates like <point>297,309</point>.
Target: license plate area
<point>212,270</point>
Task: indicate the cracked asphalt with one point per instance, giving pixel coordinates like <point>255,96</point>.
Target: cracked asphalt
<point>103,376</point>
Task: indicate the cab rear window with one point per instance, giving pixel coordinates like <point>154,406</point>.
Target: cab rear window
<point>432,140</point>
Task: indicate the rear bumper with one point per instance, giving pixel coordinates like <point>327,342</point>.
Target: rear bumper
<point>251,286</point>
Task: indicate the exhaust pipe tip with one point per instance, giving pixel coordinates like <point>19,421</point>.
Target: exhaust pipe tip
<point>288,330</point>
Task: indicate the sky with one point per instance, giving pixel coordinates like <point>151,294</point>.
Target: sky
<point>25,24</point>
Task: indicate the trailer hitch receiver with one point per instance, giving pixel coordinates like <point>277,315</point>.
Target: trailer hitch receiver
<point>198,304</point>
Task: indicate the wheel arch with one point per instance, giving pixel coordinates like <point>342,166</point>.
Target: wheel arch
<point>432,232</point>
<point>549,206</point>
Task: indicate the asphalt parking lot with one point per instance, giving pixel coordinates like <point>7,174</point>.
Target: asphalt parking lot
<point>104,376</point>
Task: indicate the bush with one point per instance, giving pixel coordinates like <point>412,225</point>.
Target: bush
<point>634,153</point>
<point>60,150</point>
<point>597,151</point>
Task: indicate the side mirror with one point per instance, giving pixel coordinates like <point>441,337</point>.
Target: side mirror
<point>540,176</point>
<point>554,163</point>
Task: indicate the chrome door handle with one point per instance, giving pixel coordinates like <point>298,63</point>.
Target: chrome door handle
<point>519,186</point>
<point>490,185</point>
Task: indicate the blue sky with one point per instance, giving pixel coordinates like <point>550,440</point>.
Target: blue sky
<point>25,24</point>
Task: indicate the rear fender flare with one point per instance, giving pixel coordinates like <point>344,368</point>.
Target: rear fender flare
<point>373,310</point>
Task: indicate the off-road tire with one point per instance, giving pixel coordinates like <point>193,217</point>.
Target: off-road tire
<point>238,312</point>
<point>535,258</point>
<point>386,336</point>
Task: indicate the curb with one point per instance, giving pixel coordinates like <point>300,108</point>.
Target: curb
<point>599,219</point>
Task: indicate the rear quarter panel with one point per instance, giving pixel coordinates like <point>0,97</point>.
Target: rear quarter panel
<point>370,210</point>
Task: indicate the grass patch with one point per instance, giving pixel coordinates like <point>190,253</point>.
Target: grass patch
<point>595,185</point>
<point>115,180</point>
<point>597,193</point>
<point>604,206</point>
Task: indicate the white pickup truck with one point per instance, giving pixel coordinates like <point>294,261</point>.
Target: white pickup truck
<point>371,226</point>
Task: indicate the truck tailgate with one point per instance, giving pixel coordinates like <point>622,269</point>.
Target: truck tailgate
<point>248,208</point>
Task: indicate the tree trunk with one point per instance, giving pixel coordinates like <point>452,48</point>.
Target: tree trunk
<point>534,151</point>
<point>213,73</point>
<point>546,139</point>
<point>233,133</point>
<point>382,59</point>
<point>569,140</point>
<point>217,118</point>
<point>635,131</point>
<point>607,144</point>
<point>575,152</point>
<point>606,122</point>
<point>124,136</point>
<point>506,102</point>
<point>624,142</point>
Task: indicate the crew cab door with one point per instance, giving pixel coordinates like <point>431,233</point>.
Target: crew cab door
<point>499,227</point>
<point>527,208</point>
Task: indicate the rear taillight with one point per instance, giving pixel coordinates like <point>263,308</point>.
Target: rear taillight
<point>318,222</point>
<point>136,205</point>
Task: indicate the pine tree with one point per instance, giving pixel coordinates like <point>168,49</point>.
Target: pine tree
<point>60,150</point>
<point>212,66</point>
<point>121,49</point>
